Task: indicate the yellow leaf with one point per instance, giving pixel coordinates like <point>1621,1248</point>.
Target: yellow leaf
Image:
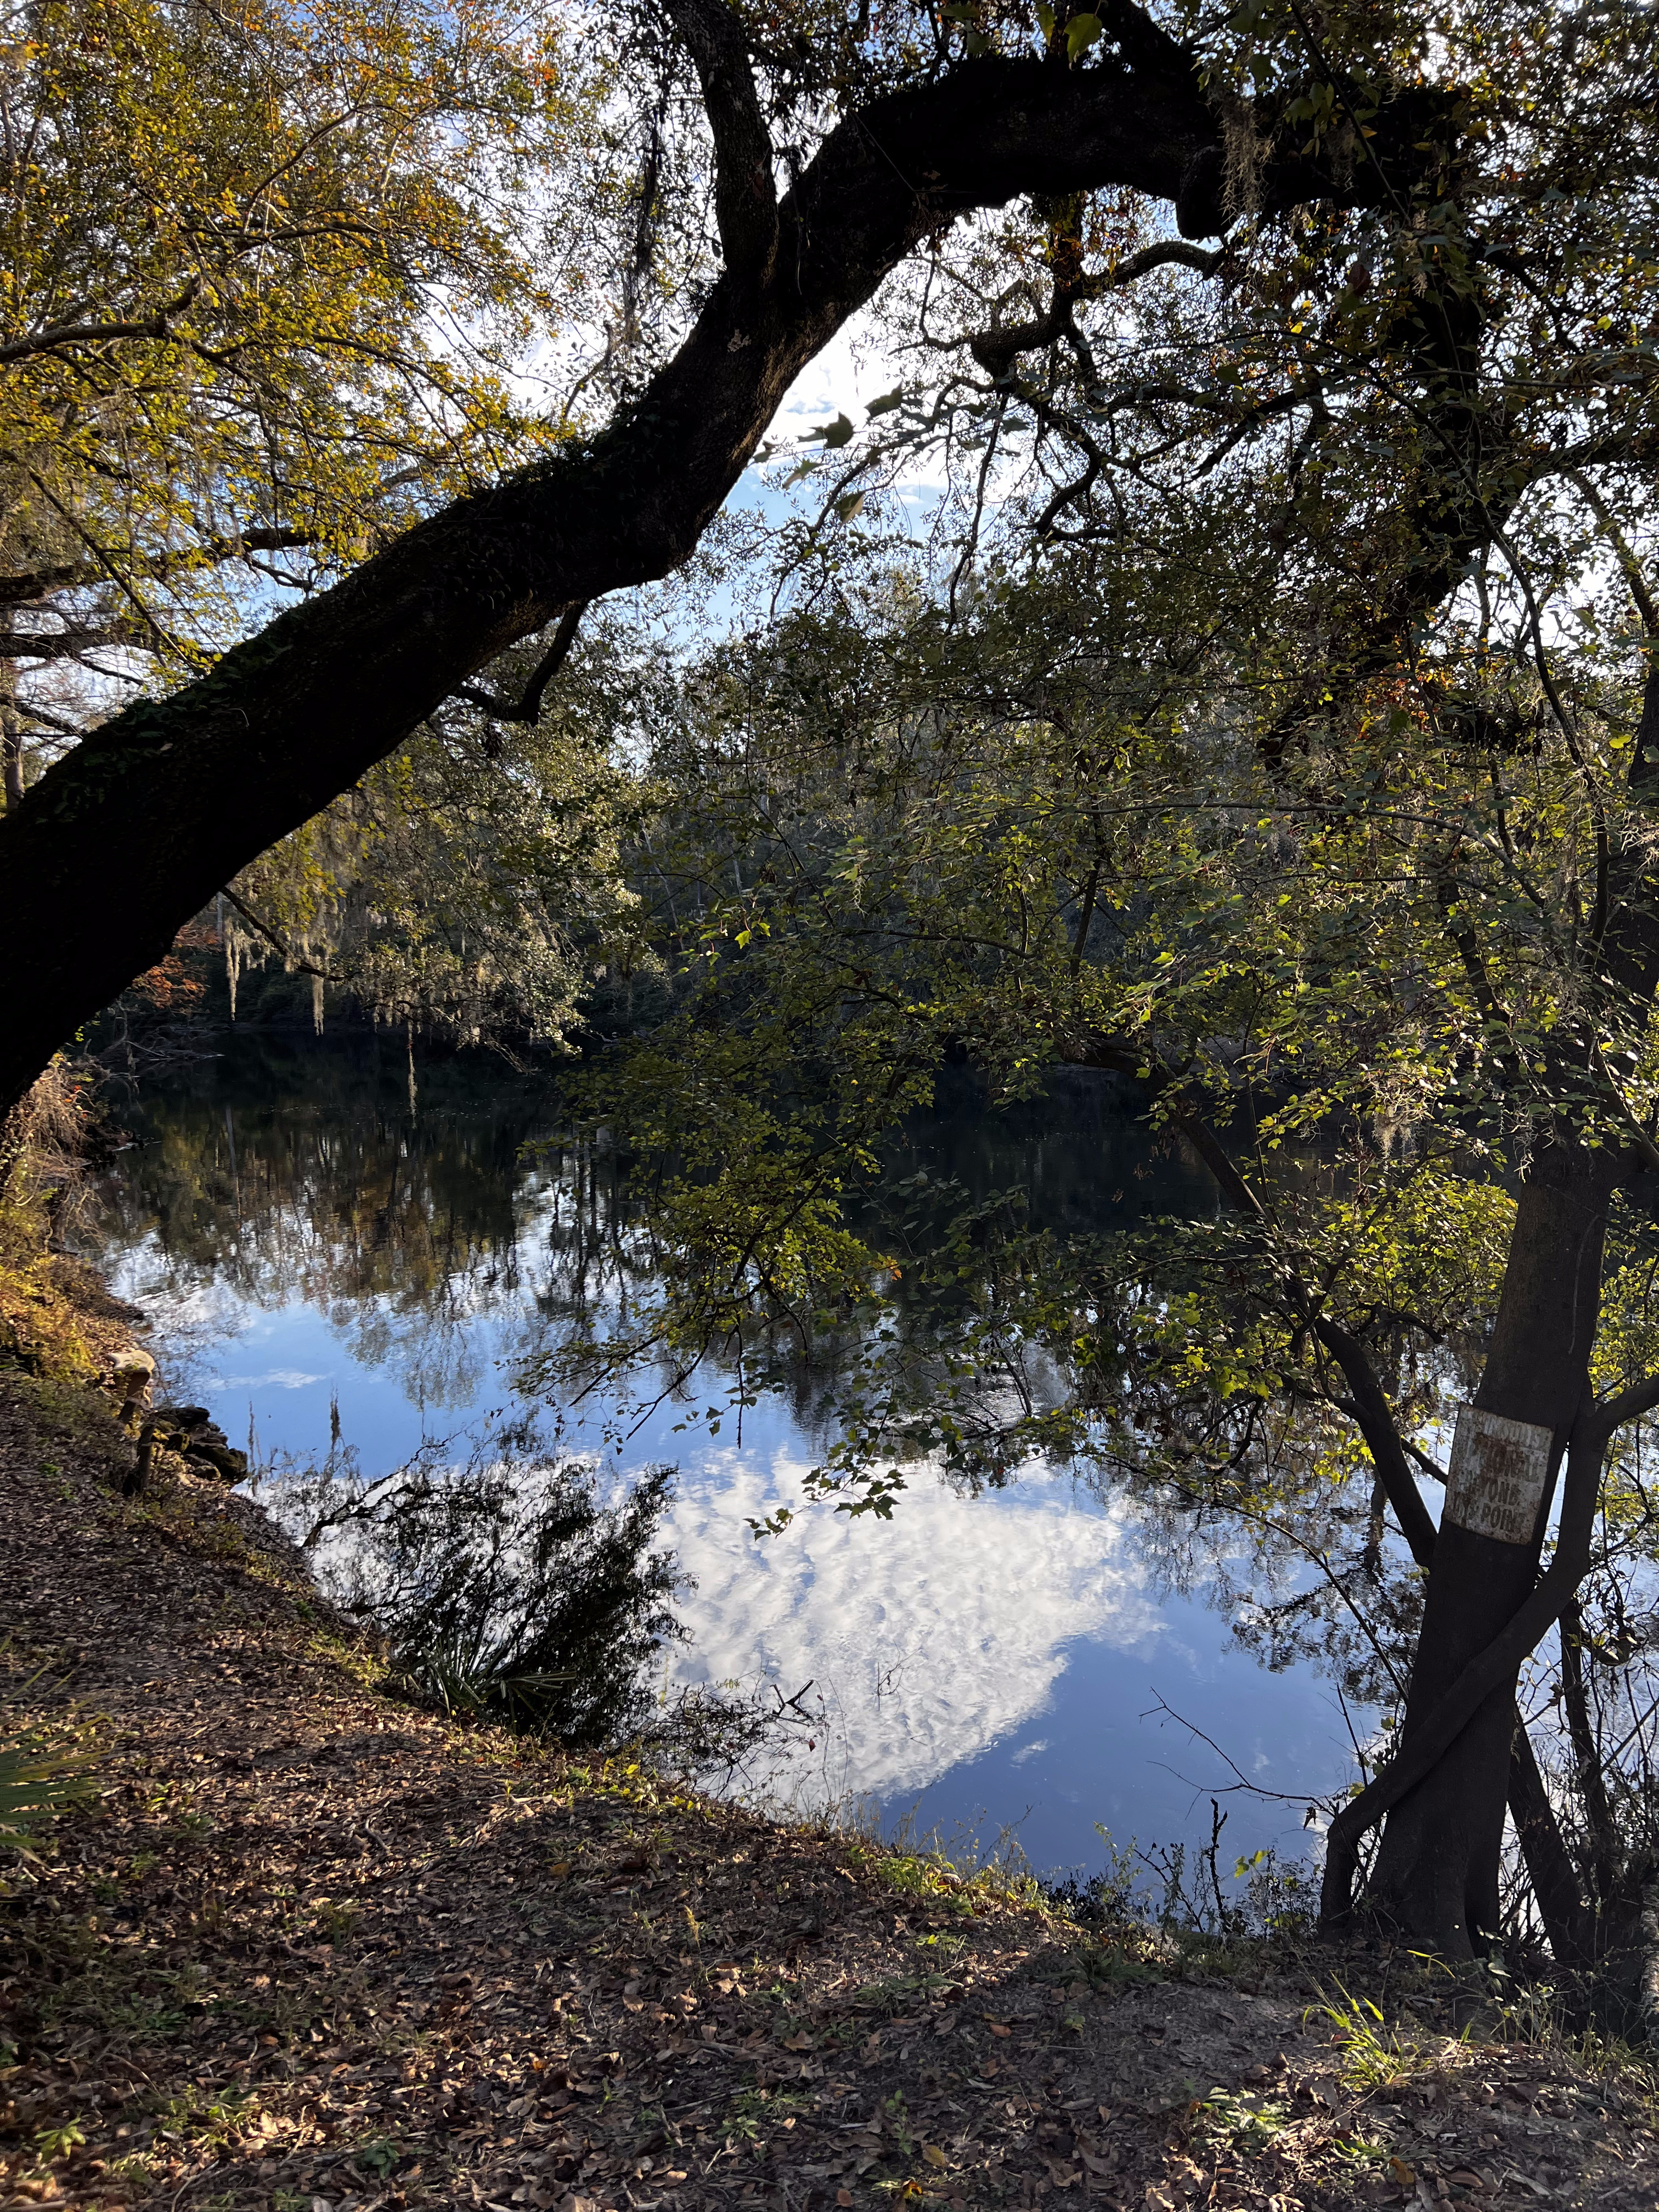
<point>933,2154</point>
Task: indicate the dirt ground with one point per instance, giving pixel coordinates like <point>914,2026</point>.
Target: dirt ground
<point>312,1949</point>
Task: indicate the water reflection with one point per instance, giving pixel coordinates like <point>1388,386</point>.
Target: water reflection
<point>283,1175</point>
<point>933,1635</point>
<point>309,1242</point>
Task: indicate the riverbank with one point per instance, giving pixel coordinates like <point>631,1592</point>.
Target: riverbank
<point>311,1945</point>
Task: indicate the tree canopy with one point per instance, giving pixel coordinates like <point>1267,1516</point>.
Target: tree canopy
<point>772,190</point>
<point>271,280</point>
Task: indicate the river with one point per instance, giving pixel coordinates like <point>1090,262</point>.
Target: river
<point>313,1249</point>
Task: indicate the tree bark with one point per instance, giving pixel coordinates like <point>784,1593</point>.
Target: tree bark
<point>1569,1926</point>
<point>1437,1870</point>
<point>1552,1278</point>
<point>11,736</point>
<point>1603,1866</point>
<point>120,844</point>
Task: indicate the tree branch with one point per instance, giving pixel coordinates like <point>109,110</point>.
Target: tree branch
<point>296,962</point>
<point>995,350</point>
<point>1376,1424</point>
<point>1642,1397</point>
<point>745,204</point>
<point>31,712</point>
<point>529,706</point>
<point>25,586</point>
<point>62,334</point>
<point>1551,1871</point>
<point>59,644</point>
<point>1371,1409</point>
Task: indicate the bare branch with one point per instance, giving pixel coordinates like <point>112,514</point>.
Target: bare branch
<point>59,645</point>
<point>551,662</point>
<point>995,350</point>
<point>530,703</point>
<point>1627,560</point>
<point>79,334</point>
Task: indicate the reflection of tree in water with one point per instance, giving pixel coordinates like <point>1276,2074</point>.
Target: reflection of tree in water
<point>958,1189</point>
<point>291,1172</point>
<point>295,1170</point>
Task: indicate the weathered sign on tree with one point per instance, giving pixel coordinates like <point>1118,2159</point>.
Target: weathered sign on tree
<point>1495,1484</point>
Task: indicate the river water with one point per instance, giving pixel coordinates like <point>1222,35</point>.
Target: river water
<point>314,1248</point>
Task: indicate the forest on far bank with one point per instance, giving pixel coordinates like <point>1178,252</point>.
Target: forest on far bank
<point>1221,653</point>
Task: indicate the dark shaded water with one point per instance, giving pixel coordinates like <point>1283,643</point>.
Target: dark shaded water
<point>309,1243</point>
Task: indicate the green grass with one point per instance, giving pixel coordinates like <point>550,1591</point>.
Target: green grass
<point>753,2108</point>
<point>1375,2055</point>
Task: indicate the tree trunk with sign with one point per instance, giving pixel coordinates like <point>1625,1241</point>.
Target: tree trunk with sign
<point>1437,1871</point>
<point>1461,1751</point>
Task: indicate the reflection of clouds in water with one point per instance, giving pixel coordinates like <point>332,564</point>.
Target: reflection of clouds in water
<point>194,1315</point>
<point>274,1378</point>
<point>931,1635</point>
<point>434,1345</point>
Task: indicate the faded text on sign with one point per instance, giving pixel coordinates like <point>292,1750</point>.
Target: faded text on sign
<point>1498,1469</point>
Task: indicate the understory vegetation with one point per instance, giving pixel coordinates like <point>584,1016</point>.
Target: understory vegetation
<point>509,1589</point>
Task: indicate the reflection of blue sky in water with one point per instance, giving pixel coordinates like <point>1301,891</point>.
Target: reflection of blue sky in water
<point>996,1656</point>
<point>999,1659</point>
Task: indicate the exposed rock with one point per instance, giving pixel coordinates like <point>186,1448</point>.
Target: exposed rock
<point>133,1371</point>
<point>192,1432</point>
<point>200,1441</point>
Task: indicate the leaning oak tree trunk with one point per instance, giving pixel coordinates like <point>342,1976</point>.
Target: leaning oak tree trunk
<point>115,848</point>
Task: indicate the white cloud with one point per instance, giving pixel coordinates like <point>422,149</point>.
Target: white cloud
<point>849,372</point>
<point>931,1636</point>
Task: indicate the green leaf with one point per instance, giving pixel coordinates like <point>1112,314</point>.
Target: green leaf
<point>33,1785</point>
<point>1082,32</point>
